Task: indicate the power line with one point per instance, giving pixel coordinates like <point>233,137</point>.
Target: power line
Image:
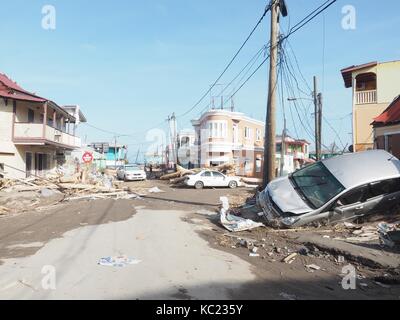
<point>268,8</point>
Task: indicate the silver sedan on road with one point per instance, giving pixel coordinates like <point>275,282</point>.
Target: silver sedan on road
<point>338,189</point>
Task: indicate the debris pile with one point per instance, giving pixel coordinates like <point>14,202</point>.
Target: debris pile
<point>20,195</point>
<point>234,223</point>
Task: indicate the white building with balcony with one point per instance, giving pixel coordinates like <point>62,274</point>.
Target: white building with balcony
<point>35,133</point>
<point>375,85</point>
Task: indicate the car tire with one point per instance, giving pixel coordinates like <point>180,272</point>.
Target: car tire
<point>233,185</point>
<point>199,185</point>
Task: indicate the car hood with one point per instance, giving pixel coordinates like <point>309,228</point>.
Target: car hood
<point>286,197</point>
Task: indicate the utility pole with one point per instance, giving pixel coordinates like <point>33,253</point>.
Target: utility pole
<point>269,173</point>
<point>115,152</point>
<point>318,120</point>
<point>320,125</point>
<point>283,150</point>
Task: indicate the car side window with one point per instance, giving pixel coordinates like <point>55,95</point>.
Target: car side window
<point>384,187</point>
<point>218,175</point>
<point>353,196</point>
<point>206,174</point>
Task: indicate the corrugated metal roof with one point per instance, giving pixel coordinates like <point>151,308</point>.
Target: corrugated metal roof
<point>391,115</point>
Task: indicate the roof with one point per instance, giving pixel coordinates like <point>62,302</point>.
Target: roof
<point>347,72</point>
<point>10,89</point>
<point>390,116</point>
<point>355,169</point>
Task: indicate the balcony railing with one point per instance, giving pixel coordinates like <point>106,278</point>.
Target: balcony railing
<point>34,132</point>
<point>366,97</point>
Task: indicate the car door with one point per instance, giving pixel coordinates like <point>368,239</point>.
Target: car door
<point>384,195</point>
<point>219,179</point>
<point>352,204</point>
<point>207,178</point>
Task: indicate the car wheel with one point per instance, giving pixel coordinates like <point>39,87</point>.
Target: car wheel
<point>233,185</point>
<point>199,185</point>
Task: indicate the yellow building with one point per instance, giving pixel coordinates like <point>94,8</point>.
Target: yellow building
<point>375,85</point>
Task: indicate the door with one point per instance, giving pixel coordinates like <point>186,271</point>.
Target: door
<point>385,193</point>
<point>28,164</point>
<point>352,204</point>
<point>219,179</point>
<point>207,179</point>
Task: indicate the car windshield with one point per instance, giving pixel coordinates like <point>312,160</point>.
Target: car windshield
<point>316,184</point>
<point>132,168</point>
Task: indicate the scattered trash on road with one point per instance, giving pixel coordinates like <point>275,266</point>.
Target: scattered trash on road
<point>313,267</point>
<point>234,223</point>
<point>120,261</point>
<point>290,258</point>
<point>155,190</point>
<point>288,296</point>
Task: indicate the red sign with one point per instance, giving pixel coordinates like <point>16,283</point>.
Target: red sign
<point>87,157</point>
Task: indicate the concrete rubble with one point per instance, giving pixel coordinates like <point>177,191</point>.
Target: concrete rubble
<point>62,185</point>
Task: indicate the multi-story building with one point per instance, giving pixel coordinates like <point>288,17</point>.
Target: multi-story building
<point>375,85</point>
<point>35,132</point>
<point>224,136</point>
<point>297,153</point>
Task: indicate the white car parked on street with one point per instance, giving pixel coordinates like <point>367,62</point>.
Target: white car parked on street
<point>208,178</point>
<point>131,172</point>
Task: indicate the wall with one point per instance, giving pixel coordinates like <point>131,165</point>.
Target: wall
<point>388,88</point>
<point>388,138</point>
<point>388,81</point>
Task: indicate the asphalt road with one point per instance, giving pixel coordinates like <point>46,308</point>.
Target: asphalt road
<point>54,254</point>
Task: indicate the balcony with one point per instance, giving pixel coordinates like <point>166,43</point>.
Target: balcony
<point>366,97</point>
<point>40,134</point>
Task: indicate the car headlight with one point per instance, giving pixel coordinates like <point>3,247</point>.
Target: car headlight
<point>289,221</point>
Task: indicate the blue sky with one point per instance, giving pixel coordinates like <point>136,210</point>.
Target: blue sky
<point>129,63</point>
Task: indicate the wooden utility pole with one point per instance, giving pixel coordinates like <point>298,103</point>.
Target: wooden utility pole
<point>316,118</point>
<point>320,125</point>
<point>283,150</point>
<point>269,173</point>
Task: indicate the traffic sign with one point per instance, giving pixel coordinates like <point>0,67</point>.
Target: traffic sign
<point>87,157</point>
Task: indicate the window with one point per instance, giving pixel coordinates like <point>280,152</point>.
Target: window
<point>353,197</point>
<point>258,164</point>
<point>247,166</point>
<point>258,135</point>
<point>316,184</point>
<point>383,188</point>
<point>218,175</point>
<point>206,174</point>
<point>217,129</point>
<point>247,132</point>
<point>31,116</point>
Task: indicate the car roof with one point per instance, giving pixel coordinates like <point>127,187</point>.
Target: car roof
<point>354,169</point>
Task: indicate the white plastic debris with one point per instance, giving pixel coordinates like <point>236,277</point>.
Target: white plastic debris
<point>155,190</point>
<point>120,261</point>
<point>313,267</point>
<point>234,223</point>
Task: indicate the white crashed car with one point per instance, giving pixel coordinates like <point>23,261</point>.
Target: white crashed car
<point>209,178</point>
<point>131,172</point>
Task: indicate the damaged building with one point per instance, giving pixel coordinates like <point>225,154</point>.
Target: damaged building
<point>35,132</point>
